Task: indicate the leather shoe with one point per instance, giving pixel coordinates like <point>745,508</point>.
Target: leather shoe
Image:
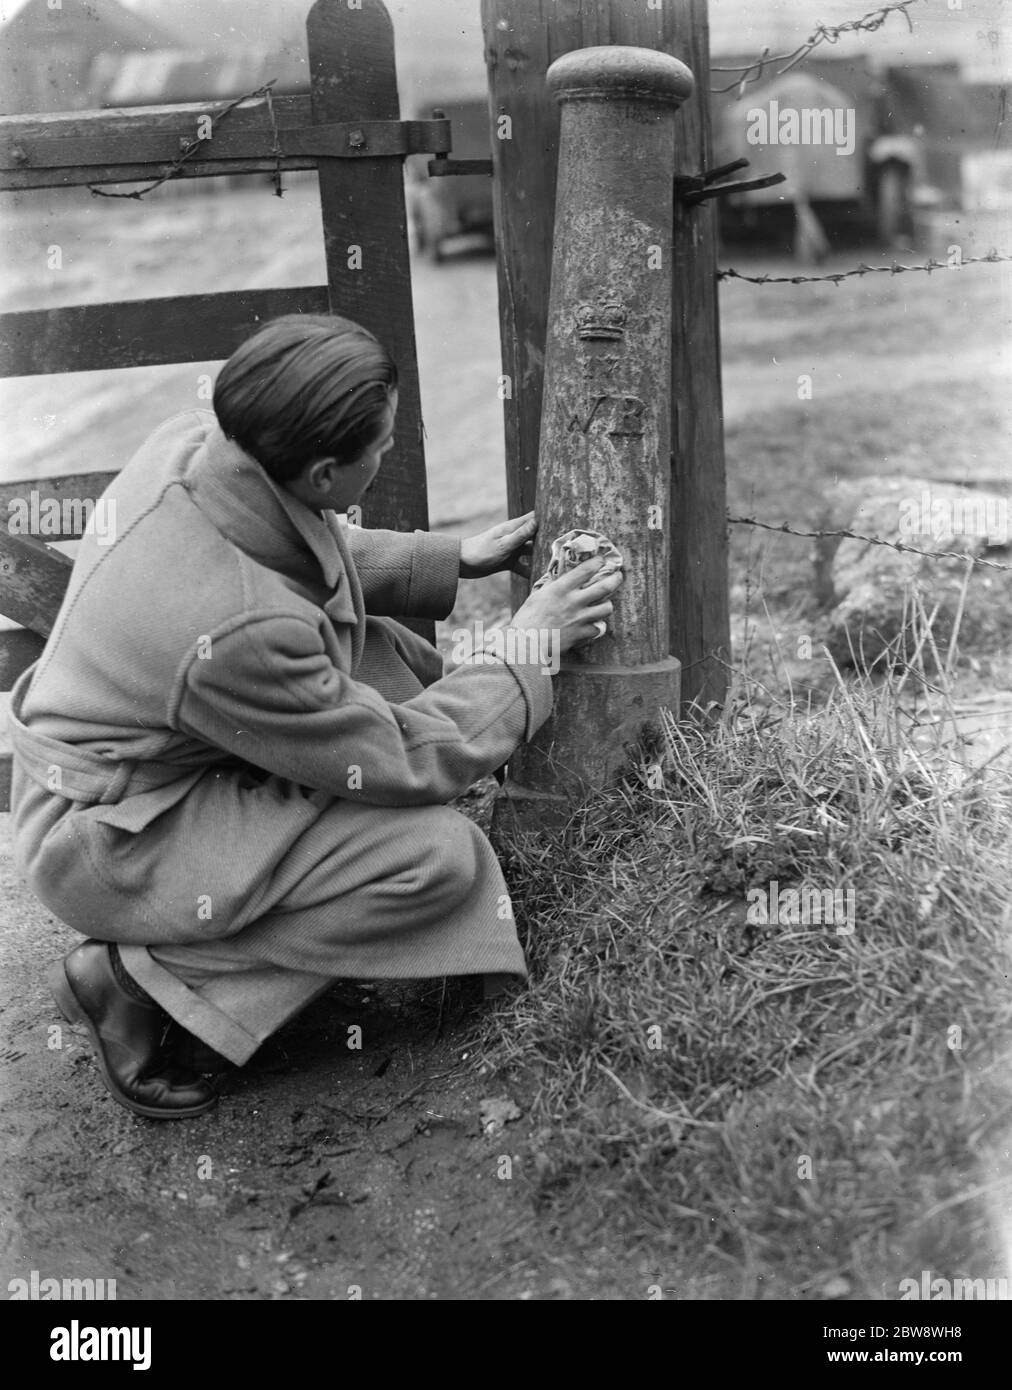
<point>194,1054</point>
<point>128,1036</point>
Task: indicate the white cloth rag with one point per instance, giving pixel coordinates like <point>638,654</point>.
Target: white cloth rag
<point>571,549</point>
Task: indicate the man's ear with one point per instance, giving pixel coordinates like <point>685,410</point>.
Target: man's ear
<point>321,474</point>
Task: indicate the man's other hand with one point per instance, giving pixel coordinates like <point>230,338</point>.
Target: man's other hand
<point>503,547</point>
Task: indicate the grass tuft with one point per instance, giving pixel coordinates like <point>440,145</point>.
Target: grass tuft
<point>786,1101</point>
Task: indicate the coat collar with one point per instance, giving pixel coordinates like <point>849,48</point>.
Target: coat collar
<point>274,528</point>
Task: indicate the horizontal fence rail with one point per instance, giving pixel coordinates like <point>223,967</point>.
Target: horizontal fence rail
<point>70,149</point>
<point>144,332</point>
<point>57,508</point>
<point>35,578</point>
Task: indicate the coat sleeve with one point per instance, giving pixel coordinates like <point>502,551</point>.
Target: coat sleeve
<point>405,576</point>
<point>272,695</point>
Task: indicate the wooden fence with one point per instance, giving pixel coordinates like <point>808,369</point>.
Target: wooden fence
<point>349,130</point>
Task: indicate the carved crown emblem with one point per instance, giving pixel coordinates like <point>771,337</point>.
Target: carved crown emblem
<point>605,319</point>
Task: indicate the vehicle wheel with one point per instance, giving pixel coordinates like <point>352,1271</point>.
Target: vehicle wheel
<point>892,204</point>
<point>418,227</point>
<point>811,245</point>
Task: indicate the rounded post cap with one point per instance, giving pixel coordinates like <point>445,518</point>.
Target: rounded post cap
<point>620,71</point>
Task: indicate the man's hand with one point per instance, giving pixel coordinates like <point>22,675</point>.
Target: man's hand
<point>503,547</point>
<point>566,611</point>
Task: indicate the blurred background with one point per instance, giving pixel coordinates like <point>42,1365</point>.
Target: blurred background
<point>933,164</point>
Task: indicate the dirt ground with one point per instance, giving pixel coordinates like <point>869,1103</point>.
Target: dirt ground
<point>327,1171</point>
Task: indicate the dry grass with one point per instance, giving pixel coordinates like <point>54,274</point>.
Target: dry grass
<point>689,1068</point>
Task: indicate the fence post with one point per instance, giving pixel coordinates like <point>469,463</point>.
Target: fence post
<point>521,41</point>
<point>606,419</point>
<point>353,77</point>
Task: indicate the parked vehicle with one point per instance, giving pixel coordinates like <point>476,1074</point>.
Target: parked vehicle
<point>871,147</point>
<point>443,209</point>
<point>821,126</point>
<point>954,136</point>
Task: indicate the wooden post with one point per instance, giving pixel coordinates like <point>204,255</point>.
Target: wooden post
<point>354,78</point>
<point>606,420</point>
<point>35,578</point>
<point>521,41</point>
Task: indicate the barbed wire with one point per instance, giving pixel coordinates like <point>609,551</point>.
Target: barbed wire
<point>845,534</point>
<point>824,33</point>
<point>276,150</point>
<point>993,257</point>
<point>189,148</point>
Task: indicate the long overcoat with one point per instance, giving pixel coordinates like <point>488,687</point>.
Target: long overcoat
<point>211,689</point>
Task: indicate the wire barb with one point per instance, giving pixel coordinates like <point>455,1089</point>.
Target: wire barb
<point>279,189</point>
<point>844,534</point>
<point>190,147</point>
<point>823,33</point>
<point>992,257</point>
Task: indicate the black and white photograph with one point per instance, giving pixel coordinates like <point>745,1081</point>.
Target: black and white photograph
<point>506,665</point>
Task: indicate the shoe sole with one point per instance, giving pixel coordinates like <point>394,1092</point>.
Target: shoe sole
<point>70,1007</point>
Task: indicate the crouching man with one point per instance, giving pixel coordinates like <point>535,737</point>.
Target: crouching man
<point>231,763</point>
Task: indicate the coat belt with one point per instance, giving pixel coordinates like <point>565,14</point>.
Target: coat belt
<point>75,772</point>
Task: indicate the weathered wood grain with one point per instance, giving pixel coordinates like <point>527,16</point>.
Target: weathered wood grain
<point>73,492</point>
<point>33,580</point>
<point>344,140</point>
<point>18,649</point>
<point>353,77</point>
<point>144,332</point>
<point>176,121</point>
<point>61,154</point>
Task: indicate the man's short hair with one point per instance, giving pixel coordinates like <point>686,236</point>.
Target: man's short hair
<point>303,387</point>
